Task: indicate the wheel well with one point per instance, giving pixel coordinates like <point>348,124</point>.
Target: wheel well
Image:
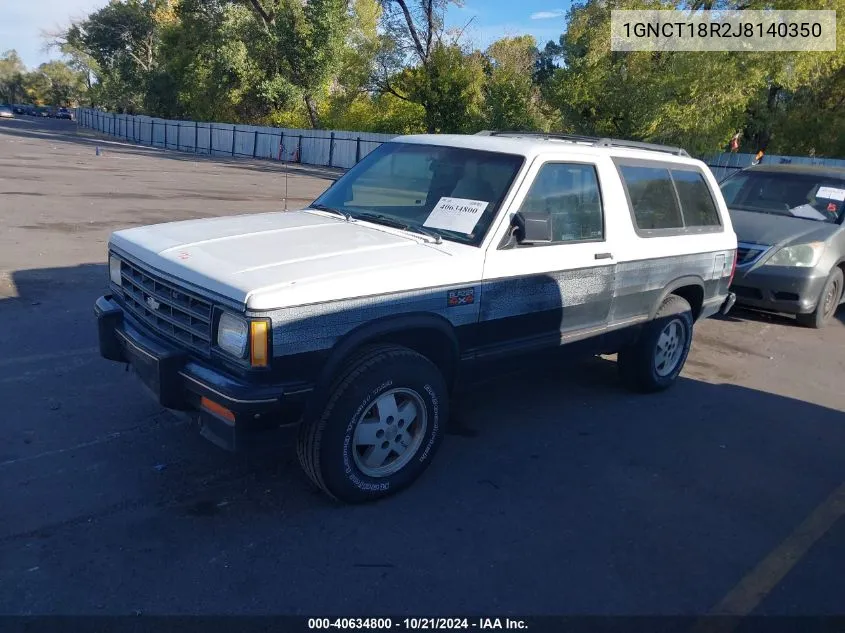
<point>432,343</point>
<point>694,294</point>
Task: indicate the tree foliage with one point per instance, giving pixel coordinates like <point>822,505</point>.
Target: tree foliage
<point>697,100</point>
<point>54,82</point>
<point>393,66</point>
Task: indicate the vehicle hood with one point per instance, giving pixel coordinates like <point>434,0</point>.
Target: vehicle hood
<point>779,230</point>
<point>274,260</point>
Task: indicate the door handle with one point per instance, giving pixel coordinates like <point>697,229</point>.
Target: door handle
<point>604,256</point>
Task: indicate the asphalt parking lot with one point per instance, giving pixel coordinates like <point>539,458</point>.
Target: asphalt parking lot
<point>561,493</point>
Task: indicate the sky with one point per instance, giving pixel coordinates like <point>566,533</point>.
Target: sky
<point>22,21</point>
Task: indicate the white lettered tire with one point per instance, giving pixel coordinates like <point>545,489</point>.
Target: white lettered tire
<point>379,430</point>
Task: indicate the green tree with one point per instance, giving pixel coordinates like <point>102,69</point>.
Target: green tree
<point>697,100</point>
<point>69,43</point>
<point>12,72</point>
<point>352,85</point>
<point>66,85</point>
<point>120,42</point>
<point>512,99</point>
<point>299,49</point>
<point>420,63</point>
<point>37,87</point>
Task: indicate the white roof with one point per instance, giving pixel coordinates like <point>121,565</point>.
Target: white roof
<point>530,146</point>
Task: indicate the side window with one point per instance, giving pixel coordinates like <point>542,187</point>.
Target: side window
<point>696,200</point>
<point>569,193</point>
<point>652,197</point>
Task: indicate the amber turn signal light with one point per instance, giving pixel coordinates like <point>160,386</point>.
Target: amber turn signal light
<point>259,342</point>
<point>217,409</point>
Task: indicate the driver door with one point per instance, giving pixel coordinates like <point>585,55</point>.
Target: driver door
<point>546,294</point>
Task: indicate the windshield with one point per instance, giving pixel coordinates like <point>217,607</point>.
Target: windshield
<point>449,192</point>
<point>808,196</point>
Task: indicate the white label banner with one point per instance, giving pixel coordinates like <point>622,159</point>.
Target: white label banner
<point>722,30</point>
<point>456,214</point>
<point>831,193</point>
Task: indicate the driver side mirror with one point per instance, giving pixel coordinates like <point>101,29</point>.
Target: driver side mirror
<point>532,227</point>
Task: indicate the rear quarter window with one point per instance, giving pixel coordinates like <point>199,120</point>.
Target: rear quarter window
<point>697,206</point>
<point>652,197</point>
<point>668,199</point>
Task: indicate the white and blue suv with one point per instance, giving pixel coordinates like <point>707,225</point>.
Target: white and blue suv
<point>356,317</point>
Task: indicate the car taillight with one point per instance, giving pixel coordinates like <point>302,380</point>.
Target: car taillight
<point>733,270</point>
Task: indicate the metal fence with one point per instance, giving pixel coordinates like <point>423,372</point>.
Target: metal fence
<point>723,165</point>
<point>310,147</point>
<point>314,147</point>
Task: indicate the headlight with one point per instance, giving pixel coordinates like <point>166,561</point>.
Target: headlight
<point>802,255</point>
<point>114,270</point>
<point>232,334</point>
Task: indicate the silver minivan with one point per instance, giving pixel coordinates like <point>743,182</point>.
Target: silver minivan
<point>791,252</point>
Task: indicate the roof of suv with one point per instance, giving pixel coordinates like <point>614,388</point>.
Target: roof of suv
<point>530,144</point>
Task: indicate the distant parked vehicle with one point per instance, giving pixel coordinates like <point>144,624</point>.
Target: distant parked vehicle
<point>6,112</point>
<point>19,108</point>
<point>789,222</point>
<point>64,113</point>
<point>42,111</point>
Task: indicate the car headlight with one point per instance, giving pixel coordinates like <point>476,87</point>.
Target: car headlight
<point>232,334</point>
<point>114,270</point>
<point>801,255</point>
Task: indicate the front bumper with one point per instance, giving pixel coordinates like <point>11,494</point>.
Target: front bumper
<point>229,409</point>
<point>787,289</point>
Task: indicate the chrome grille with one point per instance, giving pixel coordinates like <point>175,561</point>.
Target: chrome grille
<point>747,253</point>
<point>178,315</point>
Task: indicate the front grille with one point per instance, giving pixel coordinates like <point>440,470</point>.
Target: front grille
<point>178,315</point>
<point>747,253</point>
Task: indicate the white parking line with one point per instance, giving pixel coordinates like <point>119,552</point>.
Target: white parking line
<point>37,358</point>
<point>174,419</point>
<point>38,374</point>
<point>107,438</point>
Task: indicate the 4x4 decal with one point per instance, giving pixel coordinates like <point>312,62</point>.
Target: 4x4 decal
<point>460,297</point>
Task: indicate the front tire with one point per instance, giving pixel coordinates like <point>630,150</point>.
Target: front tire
<point>654,362</point>
<point>828,302</point>
<point>380,428</point>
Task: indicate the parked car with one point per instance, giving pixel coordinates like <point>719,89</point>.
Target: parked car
<point>64,113</point>
<point>433,256</point>
<point>789,222</point>
<point>42,111</point>
<point>6,112</point>
<point>19,108</point>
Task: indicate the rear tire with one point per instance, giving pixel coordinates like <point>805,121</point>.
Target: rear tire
<point>655,360</point>
<point>380,428</point>
<point>829,301</point>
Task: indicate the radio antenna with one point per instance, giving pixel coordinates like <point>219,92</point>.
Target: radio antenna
<point>281,158</point>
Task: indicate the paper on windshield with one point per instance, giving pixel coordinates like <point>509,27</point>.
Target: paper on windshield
<point>831,193</point>
<point>456,214</point>
<point>806,211</point>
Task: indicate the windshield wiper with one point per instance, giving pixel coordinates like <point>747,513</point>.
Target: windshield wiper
<point>377,218</point>
<point>322,207</point>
